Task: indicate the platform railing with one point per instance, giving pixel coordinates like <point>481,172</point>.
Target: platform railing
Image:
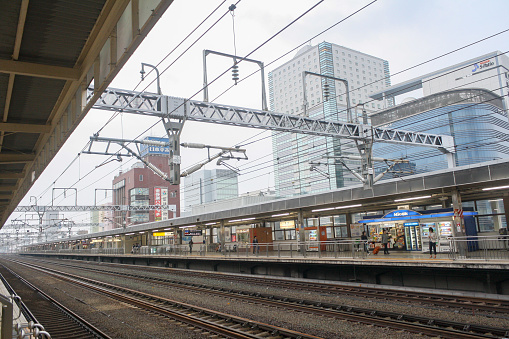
<point>479,247</point>
<point>471,247</point>
<point>349,248</point>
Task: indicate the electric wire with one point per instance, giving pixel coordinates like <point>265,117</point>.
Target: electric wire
<point>455,110</point>
<point>261,45</point>
<point>167,55</point>
<point>415,66</point>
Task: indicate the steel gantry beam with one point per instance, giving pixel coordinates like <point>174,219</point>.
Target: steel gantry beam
<point>192,110</point>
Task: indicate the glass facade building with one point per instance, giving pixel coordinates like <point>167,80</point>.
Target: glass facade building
<point>475,118</point>
<point>210,185</point>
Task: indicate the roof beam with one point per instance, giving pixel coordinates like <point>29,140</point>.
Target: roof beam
<point>38,70</point>
<point>24,128</point>
<point>11,175</point>
<point>8,188</point>
<point>16,158</point>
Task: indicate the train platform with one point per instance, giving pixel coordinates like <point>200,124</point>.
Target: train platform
<point>478,271</point>
<point>398,258</point>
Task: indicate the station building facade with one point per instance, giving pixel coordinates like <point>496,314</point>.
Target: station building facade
<point>140,186</point>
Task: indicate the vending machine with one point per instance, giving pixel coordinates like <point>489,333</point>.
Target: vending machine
<point>312,239</point>
<point>444,232</point>
<point>412,236</point>
<point>425,234</point>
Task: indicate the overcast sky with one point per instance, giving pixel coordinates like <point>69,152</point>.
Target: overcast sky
<point>403,32</point>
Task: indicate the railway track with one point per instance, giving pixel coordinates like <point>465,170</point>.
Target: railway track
<point>41,309</point>
<point>208,321</point>
<point>477,304</point>
<point>415,324</point>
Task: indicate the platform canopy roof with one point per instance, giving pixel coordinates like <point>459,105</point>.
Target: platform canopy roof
<point>50,52</point>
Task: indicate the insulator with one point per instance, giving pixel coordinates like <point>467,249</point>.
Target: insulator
<point>235,73</point>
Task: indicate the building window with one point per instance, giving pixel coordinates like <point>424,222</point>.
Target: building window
<point>141,177</point>
<point>491,216</point>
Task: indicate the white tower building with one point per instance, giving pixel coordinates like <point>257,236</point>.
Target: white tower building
<point>353,76</point>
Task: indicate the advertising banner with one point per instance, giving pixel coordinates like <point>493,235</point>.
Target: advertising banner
<point>157,201</point>
<point>164,202</point>
<point>192,232</point>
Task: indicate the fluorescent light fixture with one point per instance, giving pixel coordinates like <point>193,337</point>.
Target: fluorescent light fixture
<point>109,236</point>
<point>125,234</point>
<point>235,220</point>
<point>155,231</point>
<point>246,219</point>
<point>323,209</point>
<point>414,198</point>
<point>494,188</point>
<point>168,229</point>
<point>141,232</point>
<point>210,223</point>
<point>280,215</point>
<point>349,206</point>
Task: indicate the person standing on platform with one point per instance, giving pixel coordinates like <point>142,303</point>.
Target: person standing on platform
<point>385,241</point>
<point>255,245</point>
<point>191,246</point>
<point>364,239</point>
<point>432,242</point>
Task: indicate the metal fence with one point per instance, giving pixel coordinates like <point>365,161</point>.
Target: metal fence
<point>315,249</point>
<point>479,247</point>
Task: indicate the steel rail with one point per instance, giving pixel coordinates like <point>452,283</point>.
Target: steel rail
<point>393,320</point>
<point>248,328</point>
<point>462,302</point>
<point>69,314</point>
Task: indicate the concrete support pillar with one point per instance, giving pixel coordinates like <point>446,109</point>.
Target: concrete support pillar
<point>348,222</point>
<point>221,236</point>
<point>302,233</point>
<point>506,206</point>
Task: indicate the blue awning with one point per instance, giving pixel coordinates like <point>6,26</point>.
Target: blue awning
<point>413,217</point>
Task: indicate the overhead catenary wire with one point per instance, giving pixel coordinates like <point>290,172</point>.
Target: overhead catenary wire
<point>265,42</point>
<point>456,122</point>
<point>167,55</point>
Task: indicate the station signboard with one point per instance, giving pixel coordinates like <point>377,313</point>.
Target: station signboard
<point>192,233</point>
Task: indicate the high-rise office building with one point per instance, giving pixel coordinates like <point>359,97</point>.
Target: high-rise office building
<point>467,101</point>
<point>207,186</point>
<point>352,76</point>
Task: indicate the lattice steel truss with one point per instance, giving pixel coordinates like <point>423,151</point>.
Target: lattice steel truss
<point>175,111</point>
<point>178,108</point>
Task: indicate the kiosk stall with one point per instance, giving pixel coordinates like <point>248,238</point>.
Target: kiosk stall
<point>409,229</point>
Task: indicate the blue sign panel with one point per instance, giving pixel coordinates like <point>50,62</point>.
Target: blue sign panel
<point>150,149</point>
<point>401,213</point>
